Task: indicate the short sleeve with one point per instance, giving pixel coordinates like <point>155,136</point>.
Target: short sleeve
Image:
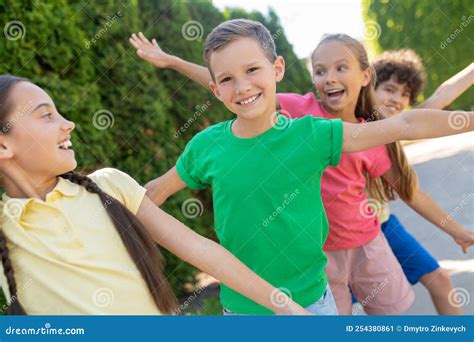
<point>121,186</point>
<point>189,164</point>
<point>296,105</point>
<point>327,135</point>
<point>380,161</point>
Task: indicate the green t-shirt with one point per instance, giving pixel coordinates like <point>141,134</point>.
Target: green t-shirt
<point>268,210</point>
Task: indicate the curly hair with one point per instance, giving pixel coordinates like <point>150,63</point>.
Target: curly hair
<point>407,68</point>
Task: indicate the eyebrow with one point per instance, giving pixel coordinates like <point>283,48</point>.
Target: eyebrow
<point>243,66</point>
<point>39,106</point>
<point>338,61</point>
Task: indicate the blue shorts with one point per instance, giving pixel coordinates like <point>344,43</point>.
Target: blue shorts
<point>415,260</point>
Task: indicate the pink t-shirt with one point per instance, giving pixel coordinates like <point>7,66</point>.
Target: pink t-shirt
<point>352,220</point>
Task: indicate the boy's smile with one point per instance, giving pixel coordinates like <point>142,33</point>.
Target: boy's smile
<point>392,96</point>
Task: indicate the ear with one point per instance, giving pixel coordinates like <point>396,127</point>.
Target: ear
<point>367,76</point>
<point>214,90</point>
<point>5,151</point>
<point>279,67</point>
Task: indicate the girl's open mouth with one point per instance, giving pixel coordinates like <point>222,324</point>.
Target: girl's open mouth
<point>335,94</point>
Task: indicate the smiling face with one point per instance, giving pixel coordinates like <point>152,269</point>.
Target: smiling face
<point>338,77</point>
<point>38,141</point>
<point>392,96</point>
<point>245,79</point>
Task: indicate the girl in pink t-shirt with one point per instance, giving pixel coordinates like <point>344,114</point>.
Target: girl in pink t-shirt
<point>358,254</point>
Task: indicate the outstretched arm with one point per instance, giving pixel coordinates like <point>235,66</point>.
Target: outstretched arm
<point>153,54</point>
<point>213,259</point>
<point>412,124</point>
<point>426,207</point>
<point>451,89</point>
<point>164,186</point>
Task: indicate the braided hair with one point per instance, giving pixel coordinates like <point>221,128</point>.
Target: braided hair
<point>138,242</point>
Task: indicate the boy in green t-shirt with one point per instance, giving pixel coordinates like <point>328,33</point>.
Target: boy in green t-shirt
<point>265,169</point>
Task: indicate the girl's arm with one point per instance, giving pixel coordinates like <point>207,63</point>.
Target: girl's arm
<point>451,89</point>
<point>152,53</point>
<point>213,259</point>
<point>412,124</point>
<point>425,206</point>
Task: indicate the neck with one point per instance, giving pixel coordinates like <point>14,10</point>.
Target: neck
<point>250,128</point>
<point>20,184</point>
<point>346,114</point>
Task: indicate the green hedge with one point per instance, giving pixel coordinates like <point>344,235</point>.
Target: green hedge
<point>81,56</point>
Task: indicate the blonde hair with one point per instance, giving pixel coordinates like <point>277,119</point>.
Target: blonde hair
<point>367,109</point>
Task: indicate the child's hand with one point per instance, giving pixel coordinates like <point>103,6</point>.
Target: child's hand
<point>464,239</point>
<point>150,51</point>
<point>293,309</point>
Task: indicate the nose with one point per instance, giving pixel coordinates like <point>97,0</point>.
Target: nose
<point>67,125</point>
<point>330,76</point>
<point>396,97</point>
<point>242,86</point>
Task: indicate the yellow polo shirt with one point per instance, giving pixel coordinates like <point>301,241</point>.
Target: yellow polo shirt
<point>67,255</point>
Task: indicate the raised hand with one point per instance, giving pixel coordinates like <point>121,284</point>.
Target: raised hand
<point>150,51</point>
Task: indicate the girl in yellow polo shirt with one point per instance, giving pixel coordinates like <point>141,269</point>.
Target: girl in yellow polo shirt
<point>75,244</point>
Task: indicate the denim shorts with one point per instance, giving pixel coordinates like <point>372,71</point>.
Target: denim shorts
<point>325,305</point>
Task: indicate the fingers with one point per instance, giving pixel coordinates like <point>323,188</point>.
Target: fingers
<point>155,43</point>
<point>134,42</point>
<point>143,38</point>
<point>140,41</point>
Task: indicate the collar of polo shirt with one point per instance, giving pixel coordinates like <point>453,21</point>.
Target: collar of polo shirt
<point>15,207</point>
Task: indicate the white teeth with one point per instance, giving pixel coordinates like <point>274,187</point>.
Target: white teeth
<point>65,144</point>
<point>334,91</point>
<point>250,100</point>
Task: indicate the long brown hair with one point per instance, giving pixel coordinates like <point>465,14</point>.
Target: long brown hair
<point>140,246</point>
<point>366,108</point>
